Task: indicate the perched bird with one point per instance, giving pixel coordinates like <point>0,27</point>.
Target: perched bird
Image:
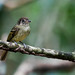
<point>18,33</point>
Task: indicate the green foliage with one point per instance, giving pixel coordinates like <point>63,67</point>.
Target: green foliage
<point>53,25</point>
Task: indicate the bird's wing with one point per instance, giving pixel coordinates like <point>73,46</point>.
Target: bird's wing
<point>13,33</point>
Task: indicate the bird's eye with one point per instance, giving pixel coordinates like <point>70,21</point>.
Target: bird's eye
<point>23,21</point>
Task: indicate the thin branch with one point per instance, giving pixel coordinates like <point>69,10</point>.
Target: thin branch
<point>49,53</point>
<point>49,68</point>
<point>32,65</point>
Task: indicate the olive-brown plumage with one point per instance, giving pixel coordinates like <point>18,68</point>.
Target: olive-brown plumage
<point>18,33</point>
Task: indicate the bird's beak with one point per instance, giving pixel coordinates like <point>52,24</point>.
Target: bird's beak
<point>29,21</point>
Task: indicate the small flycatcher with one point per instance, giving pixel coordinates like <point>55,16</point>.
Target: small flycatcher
<point>18,33</point>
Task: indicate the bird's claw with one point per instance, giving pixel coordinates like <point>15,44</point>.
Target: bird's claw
<point>23,44</point>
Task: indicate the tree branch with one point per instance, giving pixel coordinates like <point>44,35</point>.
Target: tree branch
<point>49,53</point>
<point>41,67</point>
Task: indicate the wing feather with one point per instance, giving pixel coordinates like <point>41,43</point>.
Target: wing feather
<point>12,33</point>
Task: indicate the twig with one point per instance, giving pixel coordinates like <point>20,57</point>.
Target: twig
<point>48,67</point>
<point>33,65</point>
<point>49,53</point>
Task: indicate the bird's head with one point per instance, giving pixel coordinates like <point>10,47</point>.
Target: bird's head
<point>23,21</point>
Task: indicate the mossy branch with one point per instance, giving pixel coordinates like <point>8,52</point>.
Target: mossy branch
<point>49,53</point>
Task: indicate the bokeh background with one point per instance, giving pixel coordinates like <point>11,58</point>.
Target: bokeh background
<point>52,26</point>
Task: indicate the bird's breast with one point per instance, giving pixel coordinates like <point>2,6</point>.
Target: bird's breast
<point>22,33</point>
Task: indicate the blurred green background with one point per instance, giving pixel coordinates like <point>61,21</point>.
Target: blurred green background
<point>52,26</point>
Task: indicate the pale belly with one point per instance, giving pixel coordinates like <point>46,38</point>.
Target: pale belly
<point>21,35</point>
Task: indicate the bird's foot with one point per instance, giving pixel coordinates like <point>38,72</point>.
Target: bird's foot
<point>23,44</point>
<point>16,44</point>
<point>10,43</point>
<point>18,48</point>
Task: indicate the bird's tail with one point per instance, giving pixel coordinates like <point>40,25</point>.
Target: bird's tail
<point>3,55</point>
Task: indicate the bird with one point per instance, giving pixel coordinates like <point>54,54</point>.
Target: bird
<point>18,33</point>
